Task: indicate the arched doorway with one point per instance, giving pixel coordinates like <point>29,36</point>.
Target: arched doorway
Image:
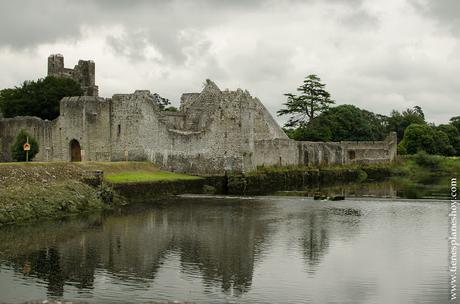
<point>75,151</point>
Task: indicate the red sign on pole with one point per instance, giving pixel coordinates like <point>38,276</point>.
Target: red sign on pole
<point>26,147</point>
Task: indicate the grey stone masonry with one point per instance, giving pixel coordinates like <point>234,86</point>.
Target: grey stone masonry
<point>84,73</point>
<point>213,132</point>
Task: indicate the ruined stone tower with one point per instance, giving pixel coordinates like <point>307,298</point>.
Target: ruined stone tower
<point>83,73</point>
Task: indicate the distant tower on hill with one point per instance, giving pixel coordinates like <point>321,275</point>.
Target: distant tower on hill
<point>84,73</point>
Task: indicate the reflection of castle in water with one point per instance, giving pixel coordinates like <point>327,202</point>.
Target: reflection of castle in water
<point>219,243</point>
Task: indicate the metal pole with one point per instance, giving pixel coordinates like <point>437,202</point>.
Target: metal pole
<point>27,152</point>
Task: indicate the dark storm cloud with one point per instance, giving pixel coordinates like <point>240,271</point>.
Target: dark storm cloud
<point>30,22</point>
<point>147,23</point>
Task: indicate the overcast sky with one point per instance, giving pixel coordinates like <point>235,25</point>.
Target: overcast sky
<point>375,54</point>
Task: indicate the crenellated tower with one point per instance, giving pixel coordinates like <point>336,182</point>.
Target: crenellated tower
<point>84,73</point>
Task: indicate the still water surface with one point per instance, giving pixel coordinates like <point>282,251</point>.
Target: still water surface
<point>233,250</point>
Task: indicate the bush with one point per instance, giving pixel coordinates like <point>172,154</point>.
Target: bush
<point>423,159</point>
<point>17,149</point>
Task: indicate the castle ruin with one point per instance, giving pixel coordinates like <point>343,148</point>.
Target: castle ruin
<point>84,73</point>
<point>213,132</point>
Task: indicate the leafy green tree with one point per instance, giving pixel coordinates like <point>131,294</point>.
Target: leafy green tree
<point>443,145</point>
<point>398,122</point>
<point>422,137</point>
<point>312,101</point>
<point>453,135</point>
<point>455,121</point>
<point>344,122</point>
<point>418,137</point>
<point>162,102</point>
<point>38,98</point>
<point>17,148</point>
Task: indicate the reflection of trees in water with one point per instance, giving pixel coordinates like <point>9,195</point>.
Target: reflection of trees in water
<point>315,237</point>
<point>319,225</point>
<point>220,242</point>
<point>223,247</point>
<point>56,268</point>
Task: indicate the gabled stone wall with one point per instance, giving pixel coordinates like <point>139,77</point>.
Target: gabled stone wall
<point>214,131</point>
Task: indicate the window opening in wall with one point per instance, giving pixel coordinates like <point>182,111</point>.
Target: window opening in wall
<point>351,154</point>
<point>305,157</point>
<point>119,130</point>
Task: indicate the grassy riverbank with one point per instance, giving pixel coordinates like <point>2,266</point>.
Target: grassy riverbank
<point>30,191</point>
<point>416,172</point>
<point>133,172</point>
<point>410,166</point>
<point>34,190</point>
<point>143,176</point>
<point>422,165</point>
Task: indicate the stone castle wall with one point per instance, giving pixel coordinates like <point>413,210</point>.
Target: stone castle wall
<point>40,129</point>
<point>84,73</point>
<point>214,131</point>
<point>290,152</point>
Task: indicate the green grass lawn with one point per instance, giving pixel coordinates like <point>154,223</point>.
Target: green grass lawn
<point>146,176</point>
<point>115,172</point>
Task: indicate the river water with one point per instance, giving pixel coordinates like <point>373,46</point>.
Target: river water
<point>235,250</point>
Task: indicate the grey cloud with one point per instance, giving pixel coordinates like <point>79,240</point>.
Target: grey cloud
<point>29,23</point>
<point>174,47</point>
<point>155,23</point>
<point>445,12</point>
<point>268,61</point>
<point>265,46</point>
<point>360,19</point>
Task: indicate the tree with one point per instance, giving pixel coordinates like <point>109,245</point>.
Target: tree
<point>422,137</point>
<point>455,121</point>
<point>38,98</point>
<point>312,101</point>
<point>17,148</point>
<point>453,135</point>
<point>398,122</point>
<point>344,122</point>
<point>442,143</point>
<point>162,102</point>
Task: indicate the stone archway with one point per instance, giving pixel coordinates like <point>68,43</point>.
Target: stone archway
<point>75,151</point>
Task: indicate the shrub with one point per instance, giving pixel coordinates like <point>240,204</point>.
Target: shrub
<point>17,150</point>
